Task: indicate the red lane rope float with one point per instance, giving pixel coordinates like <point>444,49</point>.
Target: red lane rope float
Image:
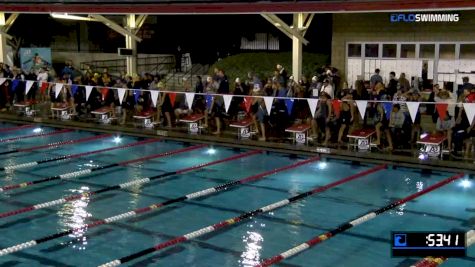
<point>56,144</point>
<point>65,157</point>
<point>70,175</point>
<point>135,212</point>
<point>343,227</point>
<point>35,135</point>
<point>436,261</point>
<point>9,129</point>
<point>229,222</point>
<point>123,185</point>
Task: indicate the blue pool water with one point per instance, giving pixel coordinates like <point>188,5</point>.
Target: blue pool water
<point>245,244</point>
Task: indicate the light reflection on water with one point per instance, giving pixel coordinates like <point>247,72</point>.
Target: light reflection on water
<point>412,186</point>
<point>73,215</point>
<point>135,190</point>
<point>253,242</point>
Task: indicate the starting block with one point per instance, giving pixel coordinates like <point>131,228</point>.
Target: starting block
<point>432,145</point>
<point>62,111</point>
<point>243,128</point>
<point>361,139</point>
<point>300,133</point>
<point>145,118</point>
<point>104,115</point>
<point>194,122</point>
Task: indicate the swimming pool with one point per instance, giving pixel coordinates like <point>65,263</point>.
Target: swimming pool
<point>179,169</point>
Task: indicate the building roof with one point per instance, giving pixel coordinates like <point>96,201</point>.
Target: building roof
<point>228,6</point>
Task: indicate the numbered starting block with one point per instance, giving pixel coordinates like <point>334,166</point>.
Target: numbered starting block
<point>300,133</point>
<point>432,145</point>
<point>61,111</point>
<point>194,123</point>
<point>145,118</point>
<point>243,128</point>
<point>26,107</point>
<point>360,140</point>
<point>103,115</point>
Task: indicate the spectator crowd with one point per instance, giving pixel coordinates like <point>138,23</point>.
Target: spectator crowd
<point>330,124</point>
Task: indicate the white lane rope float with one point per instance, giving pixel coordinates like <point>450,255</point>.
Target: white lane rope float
<point>152,207</point>
<point>345,226</point>
<point>231,221</point>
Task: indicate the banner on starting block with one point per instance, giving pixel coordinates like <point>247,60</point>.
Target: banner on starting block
<point>363,144</point>
<point>193,127</point>
<point>432,150</point>
<point>244,132</point>
<point>300,138</point>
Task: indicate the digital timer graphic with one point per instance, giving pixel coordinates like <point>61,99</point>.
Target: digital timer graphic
<point>422,244</point>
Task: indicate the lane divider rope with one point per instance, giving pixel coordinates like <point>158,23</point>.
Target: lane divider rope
<point>123,185</point>
<point>345,226</point>
<point>10,129</point>
<point>65,157</point>
<point>436,261</point>
<point>35,135</point>
<point>232,221</point>
<point>56,144</point>
<point>152,207</point>
<point>76,174</point>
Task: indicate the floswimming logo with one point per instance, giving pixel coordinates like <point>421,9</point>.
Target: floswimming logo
<point>418,18</point>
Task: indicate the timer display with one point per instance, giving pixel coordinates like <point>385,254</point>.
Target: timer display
<point>422,244</point>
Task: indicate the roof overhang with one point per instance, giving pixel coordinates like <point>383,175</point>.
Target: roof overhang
<point>244,7</point>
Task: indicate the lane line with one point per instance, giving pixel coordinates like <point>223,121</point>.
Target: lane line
<point>10,129</point>
<point>152,207</point>
<point>65,157</point>
<point>35,135</point>
<point>345,226</point>
<point>123,185</point>
<point>75,174</point>
<point>56,144</point>
<point>225,223</point>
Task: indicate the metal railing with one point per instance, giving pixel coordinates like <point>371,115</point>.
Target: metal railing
<point>154,65</point>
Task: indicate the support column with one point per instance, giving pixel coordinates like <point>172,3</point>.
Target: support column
<point>297,47</point>
<point>3,40</point>
<point>131,43</point>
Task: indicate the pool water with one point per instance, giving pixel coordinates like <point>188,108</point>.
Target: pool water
<point>451,207</point>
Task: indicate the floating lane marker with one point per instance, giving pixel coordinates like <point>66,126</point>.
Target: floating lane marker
<point>56,144</point>
<point>10,129</point>
<point>76,174</point>
<point>342,228</point>
<point>135,212</point>
<point>34,163</point>
<point>436,261</point>
<point>234,220</point>
<point>34,135</point>
<point>123,185</point>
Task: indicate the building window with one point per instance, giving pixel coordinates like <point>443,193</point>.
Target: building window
<point>371,50</point>
<point>467,51</point>
<point>447,51</point>
<point>389,50</point>
<point>427,51</point>
<point>408,51</point>
<point>354,50</point>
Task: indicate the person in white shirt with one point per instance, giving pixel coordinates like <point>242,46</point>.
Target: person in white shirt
<point>327,88</point>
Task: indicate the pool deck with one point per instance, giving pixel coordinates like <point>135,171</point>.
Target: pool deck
<point>228,138</point>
